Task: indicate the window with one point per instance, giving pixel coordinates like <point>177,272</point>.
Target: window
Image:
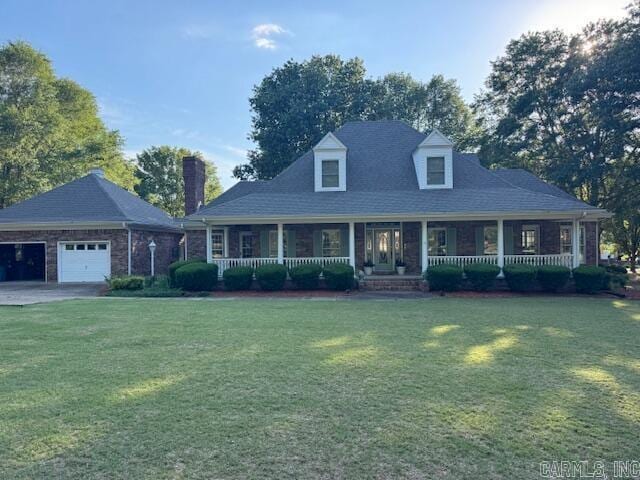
<point>330,174</point>
<point>435,170</point>
<point>91,246</point>
<point>565,239</point>
<point>582,255</point>
<point>217,244</point>
<point>437,241</point>
<point>490,241</point>
<point>102,246</point>
<point>530,239</point>
<point>273,243</point>
<point>69,246</point>
<point>246,245</point>
<point>80,246</point>
<point>330,243</point>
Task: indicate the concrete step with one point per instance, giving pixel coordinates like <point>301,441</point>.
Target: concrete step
<point>392,284</point>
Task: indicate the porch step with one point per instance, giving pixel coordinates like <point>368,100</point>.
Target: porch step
<point>391,283</point>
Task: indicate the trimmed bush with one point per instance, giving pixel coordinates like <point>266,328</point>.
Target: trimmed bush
<point>520,278</point>
<point>126,282</point>
<point>615,280</point>
<point>482,276</point>
<point>159,281</point>
<point>553,277</point>
<point>446,278</point>
<point>306,277</point>
<point>176,265</point>
<point>338,276</point>
<point>197,277</point>
<point>589,278</point>
<point>238,278</point>
<point>619,269</point>
<point>271,276</point>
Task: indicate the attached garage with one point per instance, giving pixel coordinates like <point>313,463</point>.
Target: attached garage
<point>20,262</point>
<point>84,261</point>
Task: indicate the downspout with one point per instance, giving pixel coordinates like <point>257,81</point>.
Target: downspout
<point>186,242</point>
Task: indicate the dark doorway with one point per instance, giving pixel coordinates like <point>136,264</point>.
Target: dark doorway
<point>22,262</point>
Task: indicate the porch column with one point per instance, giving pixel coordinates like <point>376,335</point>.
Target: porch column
<point>575,242</point>
<point>226,242</point>
<point>501,244</point>
<point>209,244</point>
<point>425,246</point>
<point>280,243</point>
<point>352,245</point>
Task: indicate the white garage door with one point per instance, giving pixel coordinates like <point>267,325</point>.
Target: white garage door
<point>84,261</point>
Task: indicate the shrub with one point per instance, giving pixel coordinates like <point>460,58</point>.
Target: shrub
<point>615,280</point>
<point>126,282</point>
<point>520,278</point>
<point>589,278</point>
<point>619,269</point>
<point>444,277</point>
<point>197,277</point>
<point>553,277</point>
<point>176,265</point>
<point>271,276</point>
<point>306,277</point>
<point>338,276</point>
<point>238,278</point>
<point>159,281</point>
<point>482,276</point>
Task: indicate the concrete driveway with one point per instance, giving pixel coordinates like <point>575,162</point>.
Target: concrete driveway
<point>26,293</point>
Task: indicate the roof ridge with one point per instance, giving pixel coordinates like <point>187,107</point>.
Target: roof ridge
<point>98,181</point>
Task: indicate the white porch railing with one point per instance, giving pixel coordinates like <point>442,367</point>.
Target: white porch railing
<point>561,259</point>
<point>462,260</point>
<point>290,262</point>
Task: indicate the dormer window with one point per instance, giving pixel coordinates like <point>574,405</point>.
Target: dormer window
<point>330,165</point>
<point>433,161</point>
<point>435,171</point>
<point>330,173</point>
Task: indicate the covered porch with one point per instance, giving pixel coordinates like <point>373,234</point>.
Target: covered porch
<point>418,244</point>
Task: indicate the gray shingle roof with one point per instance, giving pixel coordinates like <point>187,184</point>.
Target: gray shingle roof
<point>87,199</point>
<point>381,180</point>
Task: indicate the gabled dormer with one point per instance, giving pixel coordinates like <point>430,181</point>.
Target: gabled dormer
<point>330,165</point>
<point>433,160</point>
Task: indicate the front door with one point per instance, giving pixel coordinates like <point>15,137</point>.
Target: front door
<point>383,250</point>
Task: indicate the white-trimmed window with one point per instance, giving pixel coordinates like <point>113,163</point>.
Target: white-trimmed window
<point>246,245</point>
<point>273,243</point>
<point>435,171</point>
<point>330,173</point>
<point>217,243</point>
<point>437,241</point>
<point>490,240</point>
<point>566,243</point>
<point>331,243</point>
<point>530,239</point>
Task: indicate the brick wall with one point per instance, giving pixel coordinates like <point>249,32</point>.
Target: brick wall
<point>411,232</point>
<point>117,239</point>
<point>167,251</point>
<point>196,241</point>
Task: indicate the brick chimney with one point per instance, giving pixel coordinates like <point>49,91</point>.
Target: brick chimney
<point>193,174</point>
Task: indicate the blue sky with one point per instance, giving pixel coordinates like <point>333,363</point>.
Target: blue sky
<point>181,72</point>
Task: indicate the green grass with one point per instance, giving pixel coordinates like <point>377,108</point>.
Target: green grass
<point>440,388</point>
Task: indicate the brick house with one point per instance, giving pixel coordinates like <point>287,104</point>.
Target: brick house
<point>384,193</point>
<point>84,231</point>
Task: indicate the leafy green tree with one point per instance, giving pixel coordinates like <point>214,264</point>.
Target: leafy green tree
<point>298,103</point>
<point>159,171</point>
<point>50,131</point>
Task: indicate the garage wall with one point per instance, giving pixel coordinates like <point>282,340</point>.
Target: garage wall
<point>167,251</point>
<point>117,238</point>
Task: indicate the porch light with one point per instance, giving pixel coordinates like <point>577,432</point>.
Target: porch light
<point>152,249</point>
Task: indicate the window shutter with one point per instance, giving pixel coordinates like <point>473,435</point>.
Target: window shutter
<point>317,243</point>
<point>508,240</point>
<point>264,243</point>
<point>479,240</point>
<point>451,241</point>
<point>344,242</point>
<point>291,243</point>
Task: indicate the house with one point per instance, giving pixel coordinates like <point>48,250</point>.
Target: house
<point>370,191</point>
<point>384,192</point>
<point>84,231</point>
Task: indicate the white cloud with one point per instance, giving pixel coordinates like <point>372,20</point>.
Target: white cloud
<point>263,34</point>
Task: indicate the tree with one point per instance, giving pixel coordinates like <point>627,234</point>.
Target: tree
<point>435,104</point>
<point>159,171</point>
<point>566,108</point>
<point>298,103</point>
<point>50,131</point>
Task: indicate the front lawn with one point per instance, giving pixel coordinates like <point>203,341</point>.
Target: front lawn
<point>302,389</point>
